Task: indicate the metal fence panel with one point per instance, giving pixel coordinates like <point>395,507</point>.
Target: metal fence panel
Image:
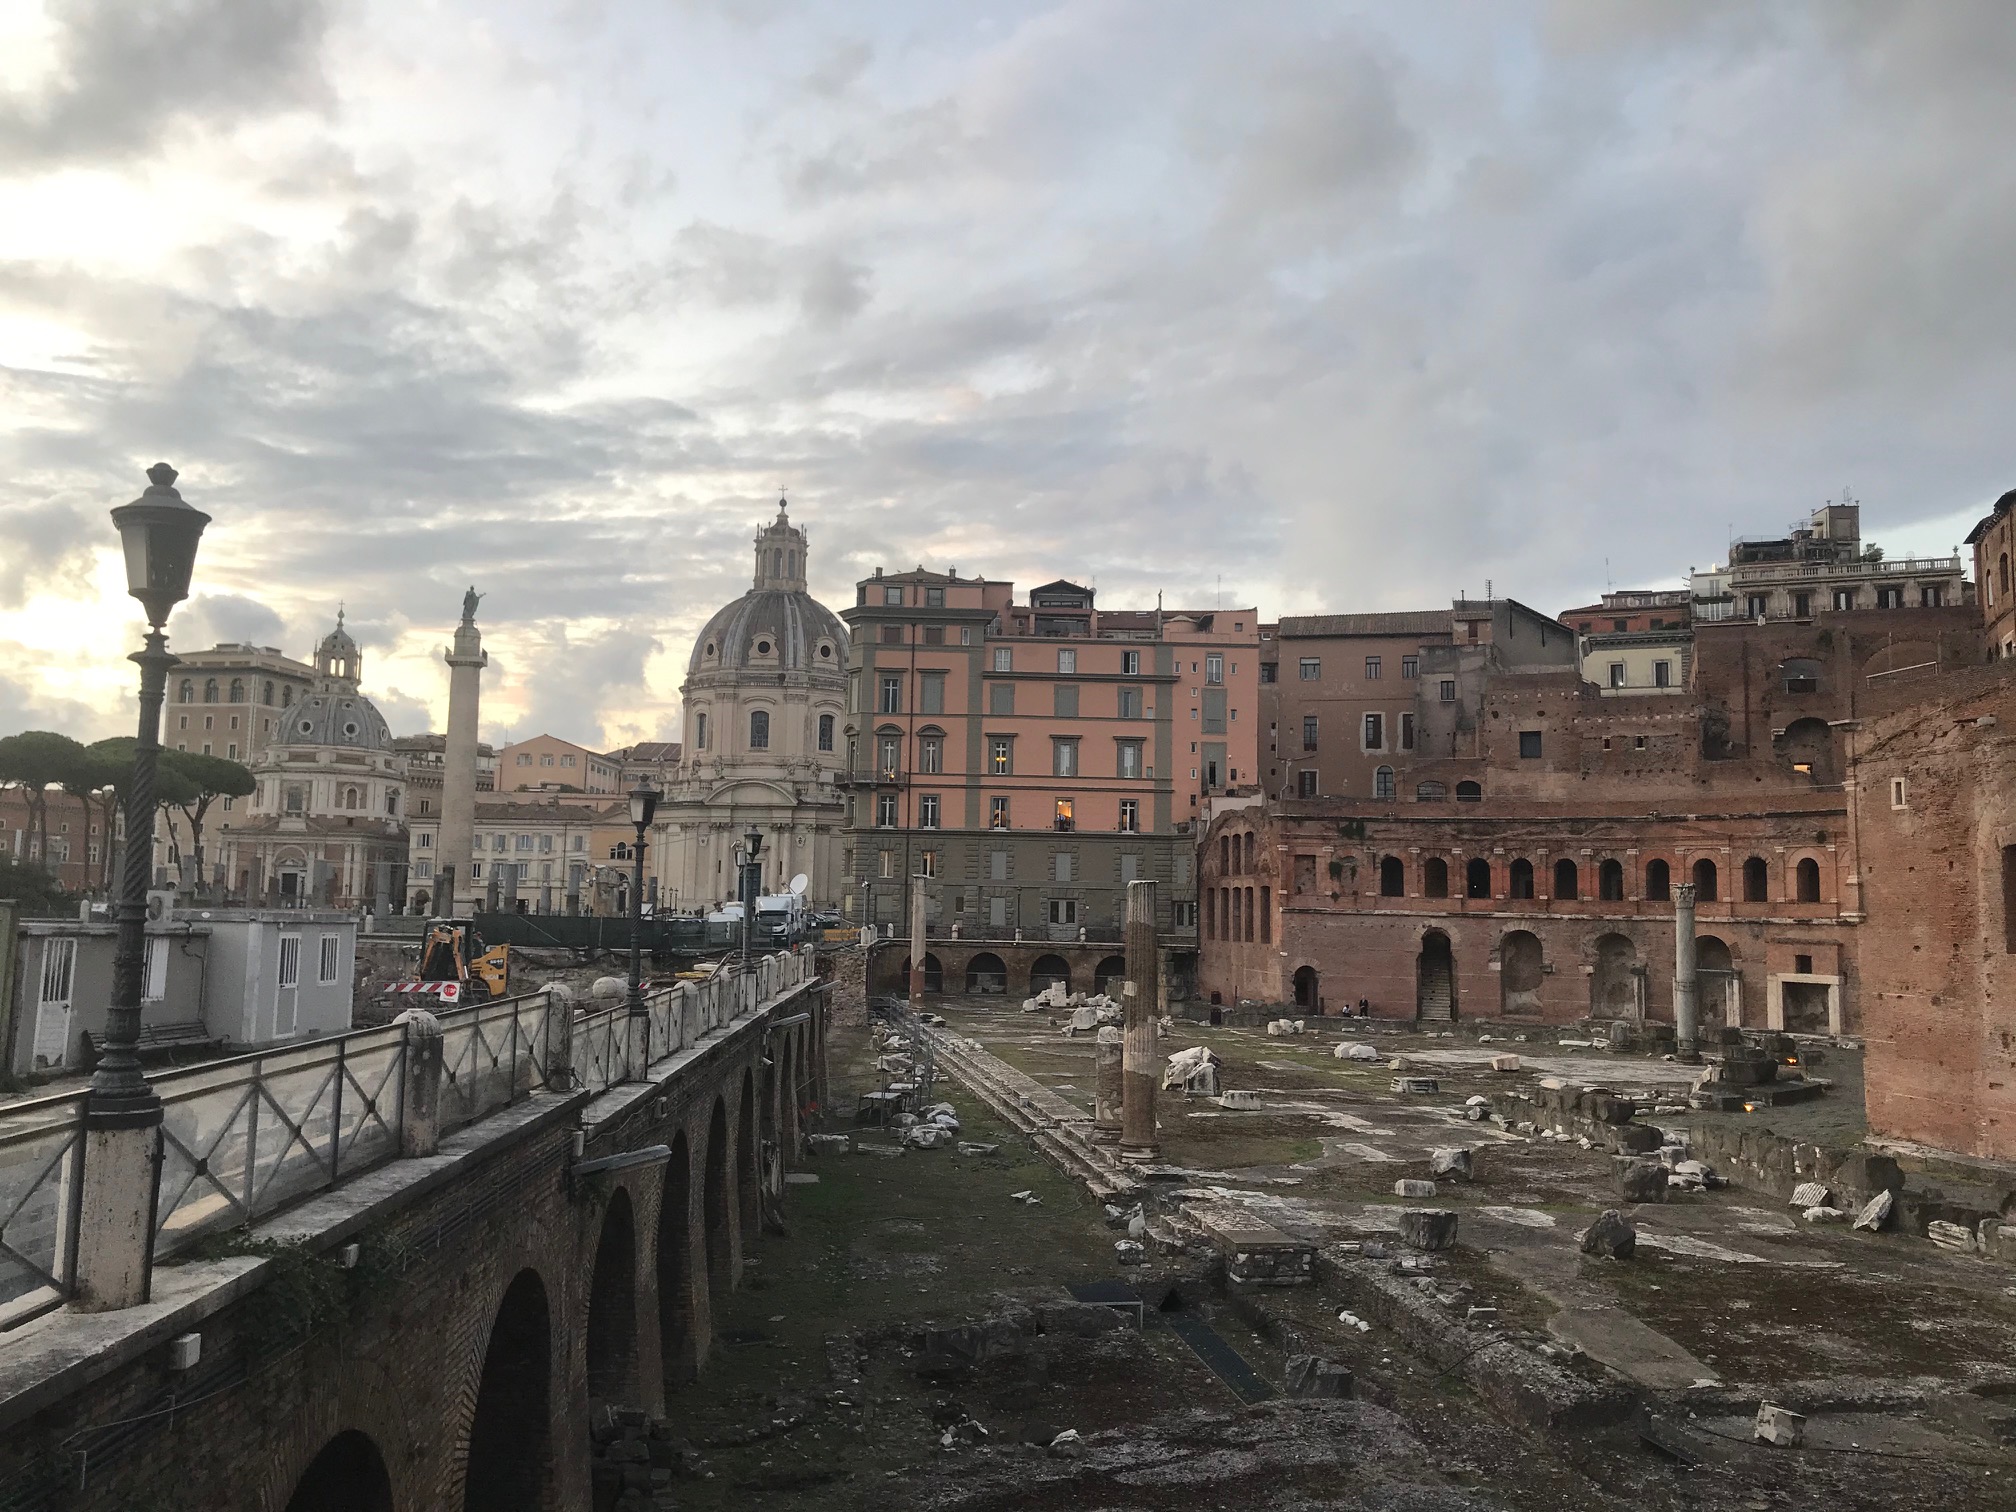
<point>599,1042</point>
<point>41,1185</point>
<point>492,1054</point>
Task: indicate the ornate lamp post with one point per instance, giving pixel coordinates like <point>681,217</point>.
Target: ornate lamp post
<point>122,1116</point>
<point>159,533</point>
<point>752,871</point>
<point>643,806</point>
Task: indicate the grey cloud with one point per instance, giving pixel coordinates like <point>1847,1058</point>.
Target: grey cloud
<point>127,73</point>
<point>209,619</point>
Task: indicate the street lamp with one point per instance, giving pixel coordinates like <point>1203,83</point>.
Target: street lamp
<point>752,871</point>
<point>159,532</point>
<point>643,805</point>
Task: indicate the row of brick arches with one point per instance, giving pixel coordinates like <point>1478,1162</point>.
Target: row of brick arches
<point>667,1245</point>
<point>986,974</point>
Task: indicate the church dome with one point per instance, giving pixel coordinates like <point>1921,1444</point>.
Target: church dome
<point>777,625</point>
<point>335,717</point>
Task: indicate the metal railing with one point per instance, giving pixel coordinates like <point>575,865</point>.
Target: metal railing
<point>246,1136</point>
<point>41,1189</point>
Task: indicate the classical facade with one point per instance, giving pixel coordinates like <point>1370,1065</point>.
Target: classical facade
<point>327,822</point>
<point>764,700</point>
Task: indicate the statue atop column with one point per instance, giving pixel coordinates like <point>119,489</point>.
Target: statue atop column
<point>469,602</point>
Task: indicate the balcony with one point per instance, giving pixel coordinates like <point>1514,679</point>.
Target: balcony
<point>1861,571</point>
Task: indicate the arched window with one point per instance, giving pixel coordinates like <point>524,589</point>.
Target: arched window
<point>1658,882</point>
<point>1477,878</point>
<point>1469,792</point>
<point>1807,872</point>
<point>1224,855</point>
<point>1252,863</point>
<point>286,698</point>
<point>1610,880</point>
<point>1704,881</point>
<point>759,730</point>
<point>620,851</point>
<point>1382,784</point>
<point>1756,881</point>
<point>825,732</point>
<point>237,690</point>
<point>188,691</point>
<point>1567,880</point>
<point>1522,879</point>
<point>1392,878</point>
<point>209,690</point>
<point>2002,575</point>
<point>1430,792</point>
<point>266,692</point>
<point>1435,877</point>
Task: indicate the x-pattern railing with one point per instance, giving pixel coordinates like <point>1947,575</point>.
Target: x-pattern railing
<point>600,1040</point>
<point>41,1170</point>
<point>493,1053</point>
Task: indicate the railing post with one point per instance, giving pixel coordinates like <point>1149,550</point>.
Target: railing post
<point>559,1042</point>
<point>420,1113</point>
<point>115,1230</point>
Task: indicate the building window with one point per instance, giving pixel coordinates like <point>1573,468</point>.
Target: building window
<point>1899,794</point>
<point>700,732</point>
<point>931,753</point>
<point>1063,865</point>
<point>1064,817</point>
<point>1129,758</point>
<point>1477,878</point>
<point>1305,784</point>
<point>1004,659</point>
<point>1662,674</point>
<point>1705,880</point>
<point>892,595</point>
<point>1268,672</point>
<point>1000,698</point>
<point>1759,605</point>
<point>1372,669</point>
<point>1067,700</point>
<point>892,695</point>
<point>1392,877</point>
<point>1844,598</point>
<point>1932,595</point>
<point>885,863</point>
<point>525,758</point>
<point>1567,879</point>
<point>1756,881</point>
<point>1309,732</point>
<point>1889,598</point>
<point>1067,660</point>
<point>928,863</point>
<point>1529,745</point>
<point>1802,605</point>
<point>890,749</point>
<point>1406,732</point>
<point>1063,758</point>
<point>546,759</point>
<point>1806,883</point>
<point>934,598</point>
<point>1521,879</point>
<point>825,732</point>
<point>759,730</point>
<point>1130,663</point>
<point>1410,666</point>
<point>927,811</point>
<point>934,635</point>
<point>1447,691</point>
<point>329,958</point>
<point>997,814</point>
<point>1800,675</point>
<point>1130,815</point>
<point>1214,668</point>
<point>1375,732</point>
<point>1382,784</point>
<point>931,693</point>
<point>1311,668</point>
<point>1063,910</point>
<point>1610,881</point>
<point>1616,674</point>
<point>1130,703</point>
<point>997,866</point>
<point>885,811</point>
<point>1001,756</point>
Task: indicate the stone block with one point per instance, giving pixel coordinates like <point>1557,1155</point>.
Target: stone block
<point>1811,1194</point>
<point>1504,1063</point>
<point>1633,1138</point>
<point>1308,1376</point>
<point>1454,1163</point>
<point>1413,1187</point>
<point>1612,1235</point>
<point>1641,1180</point>
<point>1779,1425</point>
<point>1428,1228</point>
<point>1876,1212</point>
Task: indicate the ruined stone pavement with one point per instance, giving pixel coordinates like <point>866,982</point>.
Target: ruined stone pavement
<point>829,1394</point>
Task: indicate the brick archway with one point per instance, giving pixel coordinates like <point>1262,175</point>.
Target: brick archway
<point>676,1334</point>
<point>612,1305</point>
<point>716,1213</point>
<point>510,1462</point>
<point>349,1475</point>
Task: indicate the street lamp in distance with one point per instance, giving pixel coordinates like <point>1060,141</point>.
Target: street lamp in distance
<point>643,808</point>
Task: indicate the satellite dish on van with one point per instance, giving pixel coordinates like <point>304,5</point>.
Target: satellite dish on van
<point>799,883</point>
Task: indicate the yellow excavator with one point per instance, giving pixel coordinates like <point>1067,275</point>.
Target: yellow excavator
<point>456,968</point>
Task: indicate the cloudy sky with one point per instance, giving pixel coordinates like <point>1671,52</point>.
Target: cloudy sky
<point>1315,305</point>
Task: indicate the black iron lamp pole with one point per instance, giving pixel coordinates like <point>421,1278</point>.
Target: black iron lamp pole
<point>643,806</point>
<point>752,871</point>
<point>159,533</point>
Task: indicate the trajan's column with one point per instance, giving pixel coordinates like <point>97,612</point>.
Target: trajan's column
<point>455,894</point>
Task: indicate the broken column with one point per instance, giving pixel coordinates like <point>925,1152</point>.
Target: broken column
<point>1140,1058</point>
<point>1107,1085</point>
<point>917,942</point>
<point>454,893</point>
<point>1686,999</point>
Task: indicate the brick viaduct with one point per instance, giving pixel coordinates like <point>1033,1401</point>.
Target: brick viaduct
<point>452,1360</point>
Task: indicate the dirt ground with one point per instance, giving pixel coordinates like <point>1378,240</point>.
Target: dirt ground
<point>1907,1350</point>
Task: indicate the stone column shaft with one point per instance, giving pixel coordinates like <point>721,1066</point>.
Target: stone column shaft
<point>466,662</point>
<point>1686,998</point>
<point>1141,1059</point>
<point>1108,1084</point>
<point>917,911</point>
